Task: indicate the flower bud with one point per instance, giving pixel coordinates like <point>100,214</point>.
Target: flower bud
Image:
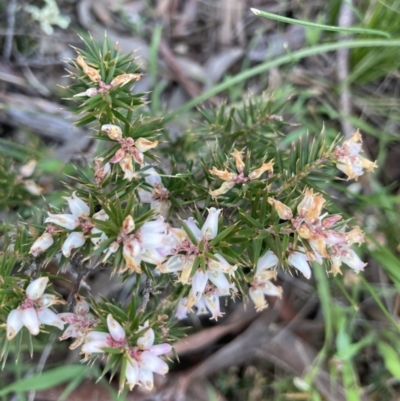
<point>92,73</point>
<point>74,240</point>
<point>27,169</point>
<point>126,165</point>
<point>224,175</point>
<point>238,160</point>
<point>128,225</point>
<point>113,131</point>
<point>111,249</point>
<point>300,262</point>
<point>123,79</point>
<point>261,170</point>
<point>45,241</point>
<point>147,339</point>
<point>210,227</point>
<point>117,332</point>
<point>284,212</point>
<point>14,323</point>
<point>36,288</point>
<point>77,206</point>
<point>32,187</point>
<point>143,144</point>
<point>68,221</point>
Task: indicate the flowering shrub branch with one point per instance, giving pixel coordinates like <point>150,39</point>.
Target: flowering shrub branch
<point>211,229</point>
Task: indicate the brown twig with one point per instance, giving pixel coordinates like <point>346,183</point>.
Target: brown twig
<point>78,264</point>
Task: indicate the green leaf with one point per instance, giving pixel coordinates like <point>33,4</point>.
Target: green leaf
<point>293,21</point>
<point>391,359</point>
<point>48,379</point>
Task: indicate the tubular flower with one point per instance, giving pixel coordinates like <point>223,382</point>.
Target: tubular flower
<point>130,150</point>
<point>325,241</point>
<point>92,73</point>
<point>261,284</point>
<point>284,212</point>
<point>206,284</point>
<point>142,360</point>
<point>34,310</point>
<point>348,159</point>
<point>231,178</point>
<point>158,196</point>
<point>150,243</point>
<point>79,217</point>
<point>80,323</point>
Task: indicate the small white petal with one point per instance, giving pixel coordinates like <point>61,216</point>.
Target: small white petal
<point>30,320</point>
<point>36,288</point>
<point>73,241</point>
<point>14,323</point>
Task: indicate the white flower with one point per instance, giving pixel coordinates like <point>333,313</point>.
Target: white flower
<point>34,311</point>
<point>73,241</point>
<point>300,262</point>
<point>348,159</point>
<point>44,242</point>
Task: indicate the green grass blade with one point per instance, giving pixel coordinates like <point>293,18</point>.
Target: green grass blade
<point>293,21</point>
<point>289,58</point>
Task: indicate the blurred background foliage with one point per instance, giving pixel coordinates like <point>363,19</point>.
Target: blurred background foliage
<point>213,69</point>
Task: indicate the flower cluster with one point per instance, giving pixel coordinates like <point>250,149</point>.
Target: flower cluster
<point>34,310</point>
<point>317,230</point>
<point>80,323</point>
<point>130,150</point>
<point>78,222</point>
<point>232,178</point>
<point>349,160</point>
<point>94,76</point>
<point>142,360</point>
<point>149,243</point>
<point>210,282</point>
